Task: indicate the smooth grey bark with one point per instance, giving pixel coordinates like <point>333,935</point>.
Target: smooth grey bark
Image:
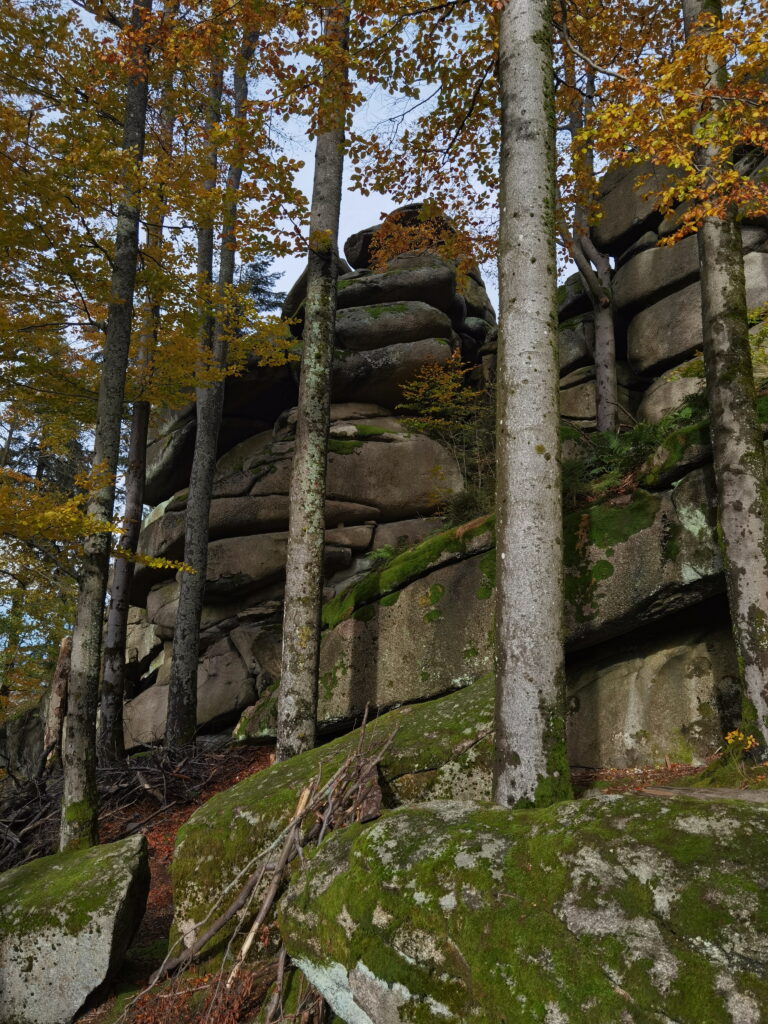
<point>181,722</point>
<point>530,763</point>
<point>297,699</point>
<point>739,458</point>
<point>79,819</point>
<point>111,745</point>
<point>57,702</point>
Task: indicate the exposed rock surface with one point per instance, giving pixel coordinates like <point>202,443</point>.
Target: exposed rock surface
<point>440,749</point>
<point>66,923</point>
<point>629,562</point>
<point>583,911</point>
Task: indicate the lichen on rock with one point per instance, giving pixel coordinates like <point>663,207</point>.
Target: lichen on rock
<point>581,911</point>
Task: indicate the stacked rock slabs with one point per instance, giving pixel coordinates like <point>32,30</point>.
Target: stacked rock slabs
<point>385,484</point>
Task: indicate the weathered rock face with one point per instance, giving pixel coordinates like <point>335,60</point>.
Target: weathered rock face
<point>583,911</point>
<point>390,324</point>
<point>671,694</point>
<point>66,923</point>
<point>629,563</point>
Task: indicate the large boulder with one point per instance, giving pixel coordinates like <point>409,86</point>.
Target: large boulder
<point>252,402</point>
<point>396,473</point>
<point>225,686</point>
<point>669,391</point>
<point>654,273</point>
<point>438,750</point>
<point>633,561</point>
<point>576,340</point>
<point>65,925</point>
<point>357,247</point>
<point>613,909</point>
<point>361,328</point>
<point>671,694</point>
<point>378,375</point>
<point>627,202</point>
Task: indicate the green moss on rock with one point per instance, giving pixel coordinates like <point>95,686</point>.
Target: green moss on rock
<point>622,908</point>
<point>223,836</point>
<point>402,568</point>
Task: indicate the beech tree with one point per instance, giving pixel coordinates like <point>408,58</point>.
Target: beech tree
<point>79,821</point>
<point>111,742</point>
<point>181,723</point>
<point>297,701</point>
<point>737,437</point>
<point>530,763</point>
<point>242,185</point>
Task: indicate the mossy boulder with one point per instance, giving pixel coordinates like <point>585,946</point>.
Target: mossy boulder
<point>65,925</point>
<point>440,750</point>
<point>615,909</point>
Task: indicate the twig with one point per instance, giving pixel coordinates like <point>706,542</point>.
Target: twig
<point>286,856</point>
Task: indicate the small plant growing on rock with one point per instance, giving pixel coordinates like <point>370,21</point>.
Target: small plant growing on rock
<point>437,401</point>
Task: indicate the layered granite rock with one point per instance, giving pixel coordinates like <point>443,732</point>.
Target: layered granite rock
<point>386,484</point>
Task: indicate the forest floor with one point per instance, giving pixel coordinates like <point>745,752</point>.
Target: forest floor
<point>150,944</point>
<point>192,997</point>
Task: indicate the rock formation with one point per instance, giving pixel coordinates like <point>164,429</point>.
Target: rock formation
<point>648,559</point>
<point>386,485</point>
<point>66,923</point>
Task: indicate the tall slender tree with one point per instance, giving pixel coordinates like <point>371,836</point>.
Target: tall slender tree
<point>111,742</point>
<point>79,822</point>
<point>181,723</point>
<point>530,765</point>
<point>737,442</point>
<point>297,702</point>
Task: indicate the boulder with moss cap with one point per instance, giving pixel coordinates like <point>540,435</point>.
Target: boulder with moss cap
<point>66,923</point>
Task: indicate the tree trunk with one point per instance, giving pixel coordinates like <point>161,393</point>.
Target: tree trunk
<point>111,745</point>
<point>530,765</point>
<point>111,739</point>
<point>181,723</point>
<point>57,701</point>
<point>737,443</point>
<point>598,284</point>
<point>79,821</point>
<point>297,701</point>
<point>594,266</point>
